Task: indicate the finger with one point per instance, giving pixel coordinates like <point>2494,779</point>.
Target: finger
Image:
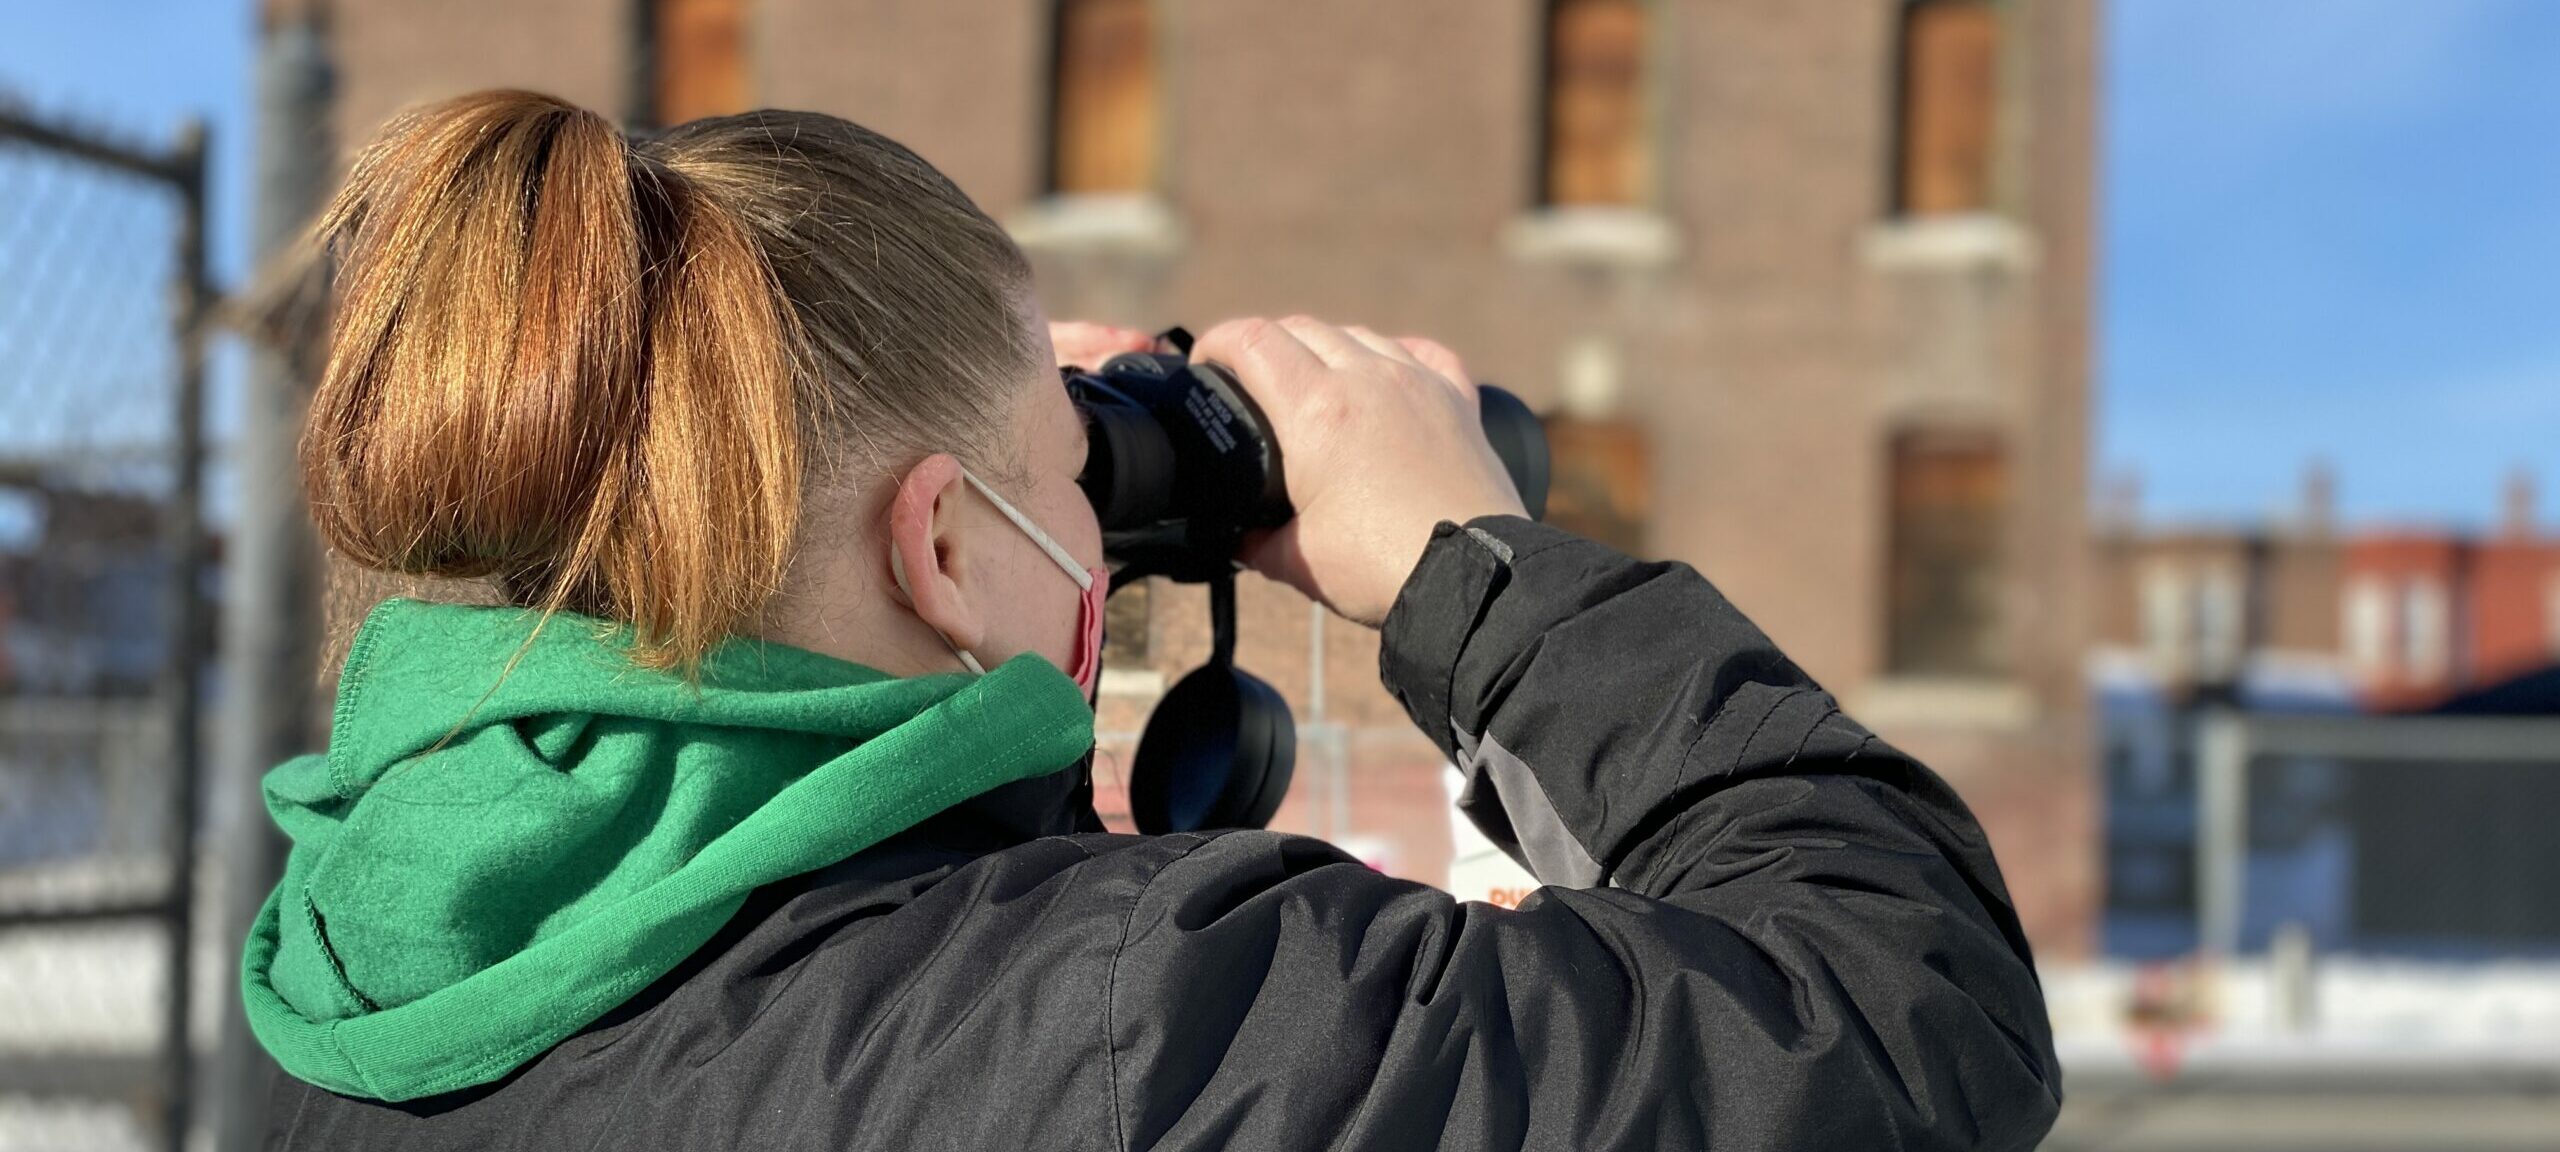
<point>1438,358</point>
<point>1262,352</point>
<point>1382,346</point>
<point>1120,340</point>
<point>1338,349</point>
<point>1082,344</point>
<point>1275,553</point>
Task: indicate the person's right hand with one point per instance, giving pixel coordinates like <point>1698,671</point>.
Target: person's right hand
<point>1380,441</point>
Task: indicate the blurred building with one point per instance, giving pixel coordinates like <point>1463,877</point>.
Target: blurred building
<point>2385,619</point>
<point>2429,615</point>
<point>2187,608</point>
<point>1805,286</point>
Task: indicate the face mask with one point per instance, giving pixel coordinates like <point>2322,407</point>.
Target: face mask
<point>1086,665</point>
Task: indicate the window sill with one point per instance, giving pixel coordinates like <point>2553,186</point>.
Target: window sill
<point>1969,242</point>
<point>1601,237</point>
<point>1910,702</point>
<point>1130,225</point>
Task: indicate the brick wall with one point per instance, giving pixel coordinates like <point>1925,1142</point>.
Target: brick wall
<point>2515,592</point>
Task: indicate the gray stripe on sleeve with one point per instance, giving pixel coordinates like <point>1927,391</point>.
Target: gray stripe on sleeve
<point>1537,837</point>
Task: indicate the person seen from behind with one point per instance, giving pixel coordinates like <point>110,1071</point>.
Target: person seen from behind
<point>757,812</point>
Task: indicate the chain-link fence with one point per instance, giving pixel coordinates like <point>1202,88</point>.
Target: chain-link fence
<point>2417,836</point>
<point>2409,837</point>
<point>105,583</point>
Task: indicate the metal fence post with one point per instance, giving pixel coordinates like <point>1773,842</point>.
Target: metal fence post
<point>187,631</point>
<point>102,593</point>
<point>2222,834</point>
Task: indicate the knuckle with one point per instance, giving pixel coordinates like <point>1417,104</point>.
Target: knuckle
<point>1248,336</point>
<point>1295,322</point>
<point>1257,337</point>
<point>1436,354</point>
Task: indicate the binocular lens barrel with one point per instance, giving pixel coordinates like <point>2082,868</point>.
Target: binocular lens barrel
<point>1182,464</point>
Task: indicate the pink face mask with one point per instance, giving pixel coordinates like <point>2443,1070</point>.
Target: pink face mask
<point>1085,666</point>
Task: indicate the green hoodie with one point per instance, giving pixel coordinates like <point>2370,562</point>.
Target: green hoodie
<point>515,829</point>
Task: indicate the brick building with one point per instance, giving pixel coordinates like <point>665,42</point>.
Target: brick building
<point>2430,614</point>
<point>2193,605</point>
<point>2396,618</point>
<point>1805,285</point>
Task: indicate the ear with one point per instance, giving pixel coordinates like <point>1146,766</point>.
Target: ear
<point>926,564</point>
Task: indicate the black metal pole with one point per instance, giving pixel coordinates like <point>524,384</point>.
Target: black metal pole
<point>182,676</point>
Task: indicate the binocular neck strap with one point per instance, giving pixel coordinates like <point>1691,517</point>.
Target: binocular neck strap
<point>1222,619</point>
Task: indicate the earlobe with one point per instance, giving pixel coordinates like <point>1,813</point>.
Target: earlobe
<point>925,552</point>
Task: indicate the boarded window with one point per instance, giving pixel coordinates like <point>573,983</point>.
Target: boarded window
<point>1600,481</point>
<point>1103,112</point>
<point>1950,89</point>
<point>700,59</point>
<point>1596,136</point>
<point>1949,505</point>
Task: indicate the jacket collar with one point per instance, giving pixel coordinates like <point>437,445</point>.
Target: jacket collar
<point>1058,804</point>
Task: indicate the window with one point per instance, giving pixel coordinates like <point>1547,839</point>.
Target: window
<point>2164,617</point>
<point>1950,100</point>
<point>695,55</point>
<point>1102,129</point>
<point>2221,623</point>
<point>1949,502</point>
<point>2426,630</point>
<point>2368,627</point>
<point>1601,480</point>
<point>1596,137</point>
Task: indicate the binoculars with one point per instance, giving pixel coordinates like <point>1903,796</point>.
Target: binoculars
<point>1182,467</point>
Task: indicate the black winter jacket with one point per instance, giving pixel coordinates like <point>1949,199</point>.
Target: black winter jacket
<point>1762,928</point>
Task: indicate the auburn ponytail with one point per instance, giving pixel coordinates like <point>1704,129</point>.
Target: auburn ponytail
<point>596,375</point>
<point>560,365</point>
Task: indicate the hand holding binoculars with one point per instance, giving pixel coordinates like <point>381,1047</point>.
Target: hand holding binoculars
<point>1182,468</point>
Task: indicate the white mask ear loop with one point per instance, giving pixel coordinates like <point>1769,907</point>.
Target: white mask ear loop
<point>1083,579</point>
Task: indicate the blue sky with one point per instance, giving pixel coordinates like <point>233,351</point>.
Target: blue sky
<point>141,67</point>
<point>2331,230</point>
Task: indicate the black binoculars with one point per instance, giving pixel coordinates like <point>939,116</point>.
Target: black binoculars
<point>1182,467</point>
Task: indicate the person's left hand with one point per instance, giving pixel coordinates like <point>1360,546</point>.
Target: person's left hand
<point>1083,345</point>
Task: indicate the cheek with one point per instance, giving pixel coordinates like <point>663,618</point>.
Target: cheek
<point>1084,532</point>
<point>1068,517</point>
<point>1045,605</point>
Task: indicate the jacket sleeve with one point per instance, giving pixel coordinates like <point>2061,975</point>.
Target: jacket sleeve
<point>1762,926</point>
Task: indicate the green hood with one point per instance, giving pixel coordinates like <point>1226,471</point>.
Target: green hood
<point>484,864</point>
